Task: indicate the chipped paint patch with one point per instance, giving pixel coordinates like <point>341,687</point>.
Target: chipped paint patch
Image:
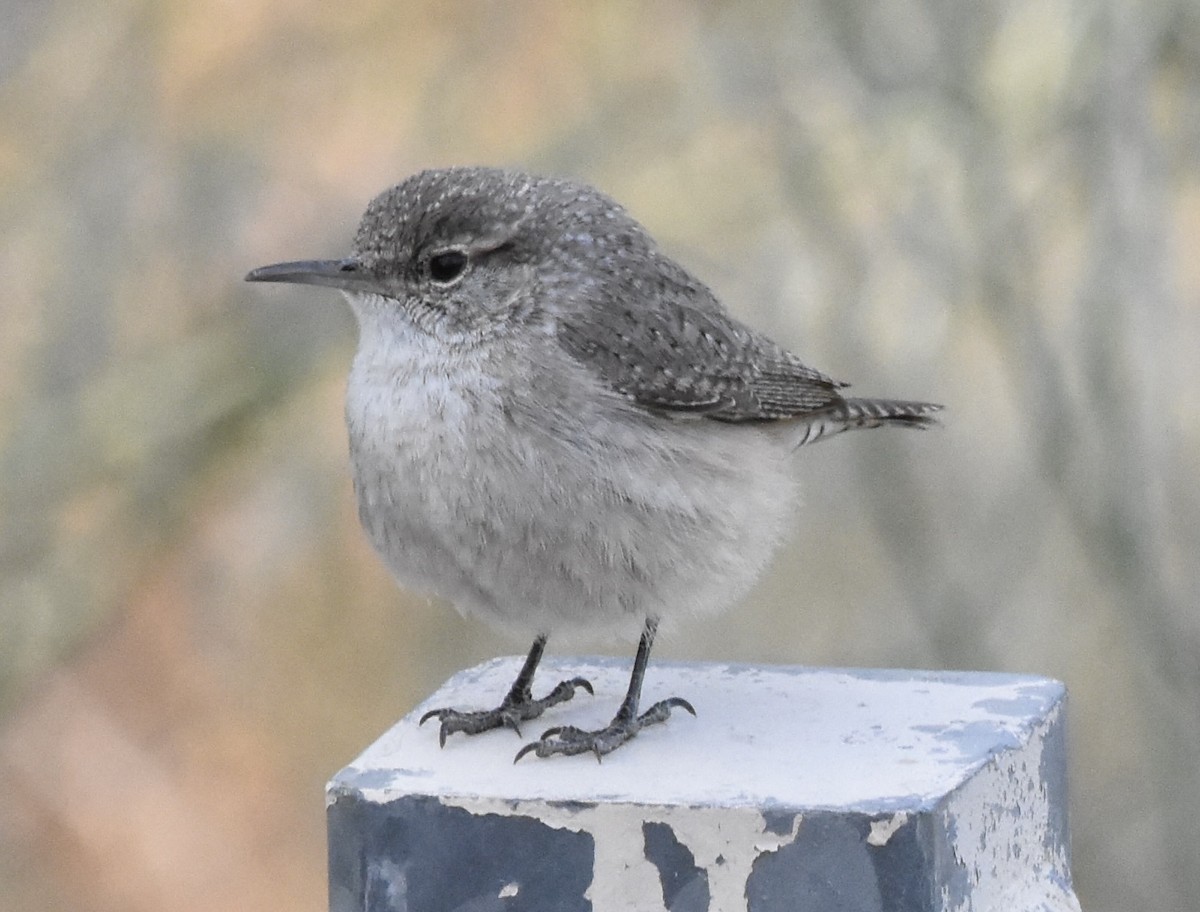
<point>883,829</point>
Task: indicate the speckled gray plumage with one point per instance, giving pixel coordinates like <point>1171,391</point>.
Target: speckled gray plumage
<point>632,315</point>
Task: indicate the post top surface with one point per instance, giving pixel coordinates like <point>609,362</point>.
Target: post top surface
<point>792,737</point>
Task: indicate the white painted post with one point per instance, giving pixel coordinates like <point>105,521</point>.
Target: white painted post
<point>793,789</point>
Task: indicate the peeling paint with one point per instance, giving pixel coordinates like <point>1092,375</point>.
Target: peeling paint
<point>898,791</point>
<point>883,829</point>
<point>1010,852</point>
<point>725,843</point>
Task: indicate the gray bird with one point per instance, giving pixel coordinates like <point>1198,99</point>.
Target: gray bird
<point>553,425</point>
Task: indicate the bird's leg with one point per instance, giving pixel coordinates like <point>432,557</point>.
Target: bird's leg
<point>567,739</point>
<point>516,708</point>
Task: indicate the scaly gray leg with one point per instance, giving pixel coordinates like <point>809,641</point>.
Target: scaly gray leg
<point>568,740</point>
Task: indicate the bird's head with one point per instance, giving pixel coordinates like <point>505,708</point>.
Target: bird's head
<point>469,253</point>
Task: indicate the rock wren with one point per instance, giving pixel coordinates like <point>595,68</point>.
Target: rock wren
<point>553,425</point>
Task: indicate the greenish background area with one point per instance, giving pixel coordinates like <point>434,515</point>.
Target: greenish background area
<point>995,205</point>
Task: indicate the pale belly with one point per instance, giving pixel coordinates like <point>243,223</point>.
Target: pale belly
<point>572,521</point>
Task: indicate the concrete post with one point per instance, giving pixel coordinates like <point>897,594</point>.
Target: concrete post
<point>793,789</point>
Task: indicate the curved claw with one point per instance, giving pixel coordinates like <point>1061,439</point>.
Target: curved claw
<point>527,749</point>
<point>681,703</point>
<point>584,683</point>
<point>511,722</point>
<point>442,714</point>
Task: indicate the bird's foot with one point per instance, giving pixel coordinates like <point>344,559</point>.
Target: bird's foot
<point>515,709</point>
<point>568,740</point>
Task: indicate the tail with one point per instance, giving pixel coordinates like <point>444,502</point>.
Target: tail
<point>852,414</point>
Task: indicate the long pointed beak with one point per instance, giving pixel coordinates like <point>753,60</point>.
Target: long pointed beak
<point>346,274</point>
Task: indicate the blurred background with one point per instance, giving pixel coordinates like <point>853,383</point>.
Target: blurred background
<point>993,205</point>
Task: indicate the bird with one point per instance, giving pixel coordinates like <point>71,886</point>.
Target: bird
<point>555,426</point>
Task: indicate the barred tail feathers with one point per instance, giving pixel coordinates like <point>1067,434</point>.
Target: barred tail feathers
<point>852,414</point>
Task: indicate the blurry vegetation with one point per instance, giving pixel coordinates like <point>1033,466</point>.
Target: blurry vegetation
<point>994,205</point>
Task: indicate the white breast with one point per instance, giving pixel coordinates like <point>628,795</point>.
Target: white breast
<point>573,510</point>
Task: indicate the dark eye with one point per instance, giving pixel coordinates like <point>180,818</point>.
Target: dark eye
<point>447,265</point>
